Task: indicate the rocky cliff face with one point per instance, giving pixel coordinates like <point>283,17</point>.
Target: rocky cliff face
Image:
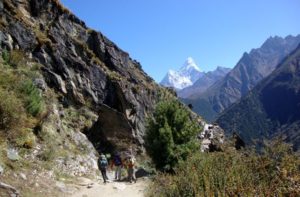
<point>272,108</point>
<point>96,97</point>
<point>250,70</point>
<point>82,65</point>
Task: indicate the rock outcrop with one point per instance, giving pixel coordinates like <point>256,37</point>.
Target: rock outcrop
<point>92,96</point>
<point>82,65</point>
<point>211,138</point>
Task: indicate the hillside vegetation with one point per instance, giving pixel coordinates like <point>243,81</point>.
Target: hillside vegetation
<point>171,134</point>
<point>274,172</point>
<point>66,93</point>
<point>21,103</point>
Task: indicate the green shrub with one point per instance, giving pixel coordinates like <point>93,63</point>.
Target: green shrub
<point>20,100</point>
<point>33,99</point>
<point>275,172</point>
<point>171,135</point>
<point>5,56</point>
<point>48,154</point>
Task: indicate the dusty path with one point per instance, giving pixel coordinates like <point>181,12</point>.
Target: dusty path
<point>89,188</point>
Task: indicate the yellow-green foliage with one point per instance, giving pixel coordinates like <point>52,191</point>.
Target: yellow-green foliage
<point>114,76</point>
<point>16,13</point>
<point>79,118</point>
<point>11,110</point>
<point>275,172</point>
<point>14,123</point>
<point>20,100</point>
<point>19,80</point>
<point>16,58</point>
<point>42,38</point>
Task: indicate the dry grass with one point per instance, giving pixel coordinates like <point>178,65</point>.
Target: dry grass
<point>114,76</point>
<point>275,172</point>
<point>60,7</point>
<point>91,31</point>
<point>15,101</point>
<point>43,39</point>
<point>3,22</point>
<point>83,48</point>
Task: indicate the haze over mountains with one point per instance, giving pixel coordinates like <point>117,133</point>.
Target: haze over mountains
<point>272,108</point>
<point>250,69</point>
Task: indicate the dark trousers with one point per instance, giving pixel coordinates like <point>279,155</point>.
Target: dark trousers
<point>103,172</point>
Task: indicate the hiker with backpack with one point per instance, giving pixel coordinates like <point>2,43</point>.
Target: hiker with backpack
<point>130,164</point>
<point>102,164</point>
<point>117,161</point>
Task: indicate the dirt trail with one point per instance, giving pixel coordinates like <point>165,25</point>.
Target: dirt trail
<point>90,188</point>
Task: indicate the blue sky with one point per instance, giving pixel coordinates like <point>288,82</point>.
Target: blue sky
<point>161,34</point>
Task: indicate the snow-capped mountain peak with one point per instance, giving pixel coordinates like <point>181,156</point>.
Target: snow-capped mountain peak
<point>184,77</point>
<point>189,64</point>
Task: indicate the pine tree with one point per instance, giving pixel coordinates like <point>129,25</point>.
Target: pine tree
<point>171,135</point>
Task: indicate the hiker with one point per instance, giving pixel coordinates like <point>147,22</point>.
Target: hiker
<point>117,161</point>
<point>102,164</point>
<point>130,164</point>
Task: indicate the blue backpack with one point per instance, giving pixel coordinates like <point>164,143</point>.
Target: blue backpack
<point>102,162</point>
<point>117,160</point>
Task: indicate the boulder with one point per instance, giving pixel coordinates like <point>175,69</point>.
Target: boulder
<point>13,154</point>
<point>212,137</point>
<point>141,172</point>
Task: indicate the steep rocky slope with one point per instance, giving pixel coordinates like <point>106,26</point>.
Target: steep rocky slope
<point>95,97</point>
<point>81,64</point>
<point>272,108</point>
<point>250,69</point>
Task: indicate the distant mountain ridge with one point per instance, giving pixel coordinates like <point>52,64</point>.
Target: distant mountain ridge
<point>272,108</point>
<point>184,77</point>
<point>250,70</point>
<point>204,82</point>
